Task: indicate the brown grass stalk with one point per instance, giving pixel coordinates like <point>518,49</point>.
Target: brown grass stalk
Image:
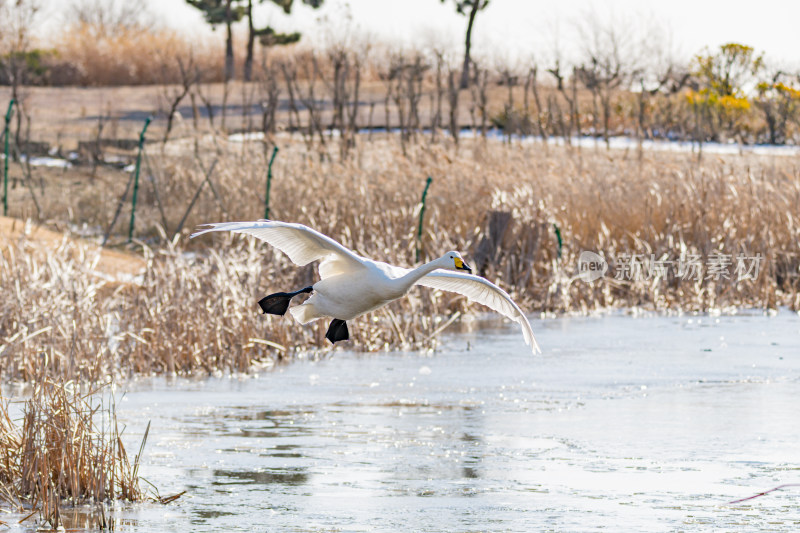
<point>67,450</point>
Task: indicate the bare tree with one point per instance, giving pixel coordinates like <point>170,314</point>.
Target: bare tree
<point>779,102</point>
<point>388,75</point>
<point>541,115</point>
<point>106,17</point>
<point>289,69</point>
<point>510,79</point>
<point>190,74</point>
<point>344,87</point>
<point>408,75</point>
<point>19,18</point>
<point>569,91</point>
<point>660,72</point>
<point>270,98</point>
<point>608,59</point>
<point>312,75</point>
<point>437,96</point>
<point>480,97</point>
<point>452,93</point>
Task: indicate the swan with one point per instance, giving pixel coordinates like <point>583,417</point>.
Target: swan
<point>351,285</point>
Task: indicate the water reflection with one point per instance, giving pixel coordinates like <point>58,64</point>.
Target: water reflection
<point>206,514</point>
<point>268,477</point>
<point>87,518</point>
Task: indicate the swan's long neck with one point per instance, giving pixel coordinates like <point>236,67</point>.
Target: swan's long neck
<point>415,275</point>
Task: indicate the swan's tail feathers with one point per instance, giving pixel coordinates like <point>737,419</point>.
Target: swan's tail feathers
<point>337,331</point>
<point>304,313</point>
<point>278,303</point>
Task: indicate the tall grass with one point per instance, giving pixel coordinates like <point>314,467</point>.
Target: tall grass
<point>68,448</point>
<point>664,206</point>
<point>187,314</point>
<point>194,310</point>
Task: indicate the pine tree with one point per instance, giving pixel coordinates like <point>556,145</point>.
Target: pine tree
<point>268,36</point>
<point>469,8</point>
<point>221,12</point>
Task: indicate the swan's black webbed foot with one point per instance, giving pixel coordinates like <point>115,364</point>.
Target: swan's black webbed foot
<point>337,331</point>
<point>278,303</point>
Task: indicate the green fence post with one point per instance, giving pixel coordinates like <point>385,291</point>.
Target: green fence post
<point>421,215</point>
<point>269,182</point>
<point>5,159</point>
<point>136,178</point>
<point>558,237</point>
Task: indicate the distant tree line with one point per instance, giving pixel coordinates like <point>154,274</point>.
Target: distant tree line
<point>615,82</point>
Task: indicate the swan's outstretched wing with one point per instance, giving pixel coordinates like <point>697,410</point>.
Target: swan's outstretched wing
<point>484,292</point>
<point>301,243</point>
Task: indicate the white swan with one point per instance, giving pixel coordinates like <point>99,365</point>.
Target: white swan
<point>351,286</point>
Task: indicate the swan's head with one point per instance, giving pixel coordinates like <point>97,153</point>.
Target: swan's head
<point>454,261</point>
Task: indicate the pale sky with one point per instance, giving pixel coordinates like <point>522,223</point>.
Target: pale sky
<point>525,28</point>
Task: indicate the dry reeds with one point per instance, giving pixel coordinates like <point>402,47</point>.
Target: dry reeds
<point>186,314</point>
<point>665,209</point>
<point>194,309</point>
<point>67,450</point>
<point>93,55</point>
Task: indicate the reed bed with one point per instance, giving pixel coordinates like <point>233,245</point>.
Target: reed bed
<point>188,313</point>
<point>194,309</point>
<point>660,207</point>
<point>66,450</point>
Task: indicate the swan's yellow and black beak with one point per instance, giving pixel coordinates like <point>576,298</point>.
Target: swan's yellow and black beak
<point>461,265</point>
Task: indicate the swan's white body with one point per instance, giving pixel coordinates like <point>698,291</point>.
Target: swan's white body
<point>351,285</point>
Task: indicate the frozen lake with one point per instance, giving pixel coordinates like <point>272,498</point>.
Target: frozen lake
<point>639,424</point>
